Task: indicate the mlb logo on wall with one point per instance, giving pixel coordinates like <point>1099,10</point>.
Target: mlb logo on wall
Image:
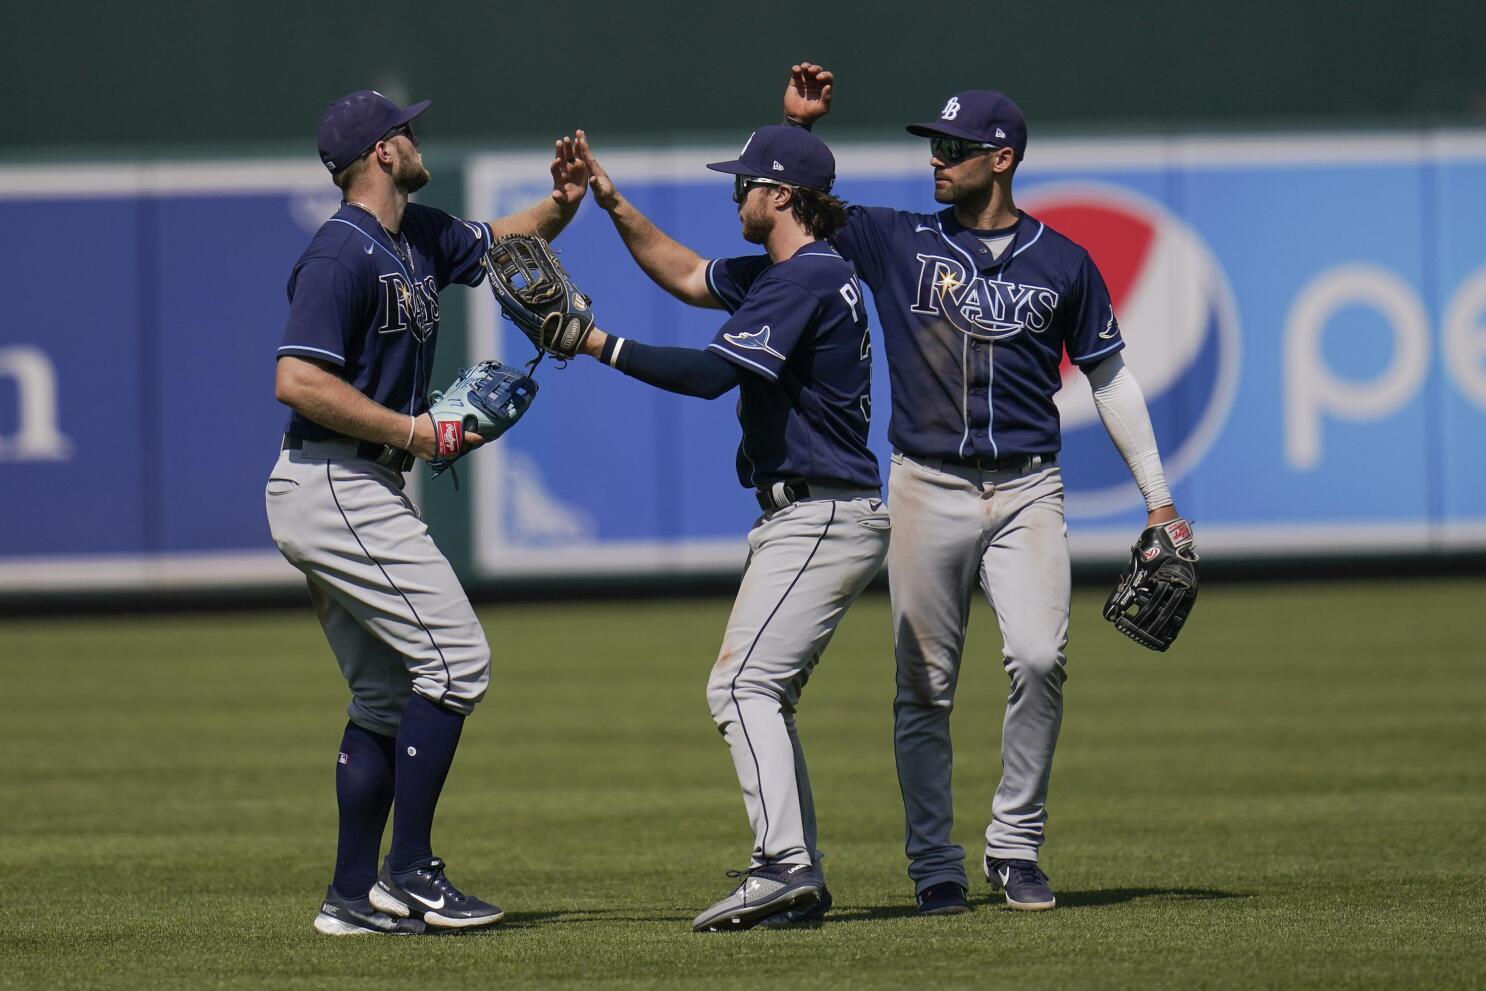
<point>1175,308</point>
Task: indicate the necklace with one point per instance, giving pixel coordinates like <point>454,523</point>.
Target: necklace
<point>399,242</point>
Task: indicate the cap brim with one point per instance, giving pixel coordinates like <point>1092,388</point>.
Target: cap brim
<point>408,113</point>
<point>941,129</point>
<point>734,168</point>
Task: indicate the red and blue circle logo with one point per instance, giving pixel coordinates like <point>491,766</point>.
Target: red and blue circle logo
<point>1181,331</point>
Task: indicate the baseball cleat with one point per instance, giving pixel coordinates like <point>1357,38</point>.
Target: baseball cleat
<point>1023,883</point>
<point>342,916</point>
<point>944,898</point>
<point>425,893</point>
<point>805,917</point>
<point>765,891</point>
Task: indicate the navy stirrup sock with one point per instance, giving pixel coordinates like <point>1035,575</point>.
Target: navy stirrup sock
<point>364,773</point>
<point>426,741</point>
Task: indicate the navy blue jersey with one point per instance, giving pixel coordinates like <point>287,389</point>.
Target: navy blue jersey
<point>974,342</point>
<point>799,328</point>
<point>357,303</point>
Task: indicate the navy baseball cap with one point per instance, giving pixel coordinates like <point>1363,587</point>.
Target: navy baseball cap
<point>787,154</point>
<point>981,115</point>
<point>352,124</point>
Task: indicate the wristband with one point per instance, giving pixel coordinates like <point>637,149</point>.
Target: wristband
<point>793,121</point>
<point>610,353</point>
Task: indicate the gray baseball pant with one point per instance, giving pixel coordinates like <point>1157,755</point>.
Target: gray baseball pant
<point>807,564</point>
<point>955,528</point>
<point>392,608</point>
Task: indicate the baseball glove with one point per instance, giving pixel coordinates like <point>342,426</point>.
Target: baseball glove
<point>487,399</point>
<point>536,294</point>
<point>1155,593</point>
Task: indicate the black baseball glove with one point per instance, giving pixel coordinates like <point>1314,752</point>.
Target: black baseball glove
<point>487,400</point>
<point>1154,595</point>
<point>537,295</point>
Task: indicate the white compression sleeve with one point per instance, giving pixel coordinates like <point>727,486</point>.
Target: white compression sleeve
<point>1121,406</point>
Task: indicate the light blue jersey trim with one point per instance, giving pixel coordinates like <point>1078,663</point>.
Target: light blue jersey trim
<point>302,347</point>
<point>712,285</point>
<point>773,377</point>
<point>389,254</point>
<point>1040,228</point>
<point>1091,357</point>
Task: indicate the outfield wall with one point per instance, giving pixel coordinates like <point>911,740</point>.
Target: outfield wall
<point>1307,316</point>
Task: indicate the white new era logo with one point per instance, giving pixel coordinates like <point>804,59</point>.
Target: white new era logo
<point>1000,133</point>
<point>778,167</point>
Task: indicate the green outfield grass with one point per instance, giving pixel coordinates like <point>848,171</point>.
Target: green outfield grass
<point>1293,797</point>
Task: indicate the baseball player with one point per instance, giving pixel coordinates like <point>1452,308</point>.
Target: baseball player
<point>796,347</point>
<point>354,369</point>
<point>978,304</point>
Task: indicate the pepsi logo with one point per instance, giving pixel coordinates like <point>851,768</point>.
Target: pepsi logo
<point>1174,308</point>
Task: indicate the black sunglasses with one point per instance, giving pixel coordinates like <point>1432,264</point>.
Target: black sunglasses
<point>405,130</point>
<point>743,183</point>
<point>951,150</point>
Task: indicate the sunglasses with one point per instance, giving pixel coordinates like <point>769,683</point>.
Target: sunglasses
<point>406,130</point>
<point>951,150</point>
<point>403,130</point>
<point>743,183</point>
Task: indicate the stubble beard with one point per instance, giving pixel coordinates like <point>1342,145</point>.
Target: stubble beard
<point>410,175</point>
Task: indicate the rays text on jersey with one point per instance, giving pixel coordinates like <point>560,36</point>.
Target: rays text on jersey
<point>984,307</point>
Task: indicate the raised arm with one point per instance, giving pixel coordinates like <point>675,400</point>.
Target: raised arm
<point>670,264</point>
<point>807,95</point>
<point>548,217</point>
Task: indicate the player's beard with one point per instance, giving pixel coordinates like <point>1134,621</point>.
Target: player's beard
<point>410,175</point>
<point>756,226</point>
<point>965,188</point>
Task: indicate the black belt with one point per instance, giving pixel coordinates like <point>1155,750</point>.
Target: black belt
<point>781,494</point>
<point>1011,462</point>
<point>384,455</point>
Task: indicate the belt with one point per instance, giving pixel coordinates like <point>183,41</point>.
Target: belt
<point>782,494</point>
<point>345,447</point>
<point>1011,462</point>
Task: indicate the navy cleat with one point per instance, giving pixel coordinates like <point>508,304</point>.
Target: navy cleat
<point>807,917</point>
<point>944,898</point>
<point>342,916</point>
<point>425,893</point>
<point>765,891</point>
<point>1023,883</point>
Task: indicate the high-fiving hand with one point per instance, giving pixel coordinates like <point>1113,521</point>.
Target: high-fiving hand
<point>604,193</point>
<point>807,95</point>
<point>569,173</point>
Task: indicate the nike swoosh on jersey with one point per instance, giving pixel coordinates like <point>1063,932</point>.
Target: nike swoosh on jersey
<point>369,249</point>
<point>921,227</point>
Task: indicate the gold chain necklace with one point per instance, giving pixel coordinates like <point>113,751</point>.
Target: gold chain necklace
<point>399,242</point>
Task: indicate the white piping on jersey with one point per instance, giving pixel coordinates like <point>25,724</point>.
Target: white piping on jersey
<point>990,403</point>
<point>337,220</point>
<point>711,285</point>
<point>1096,354</point>
<point>733,354</point>
<point>1040,228</point>
<point>964,359</point>
<point>964,391</point>
<point>303,347</point>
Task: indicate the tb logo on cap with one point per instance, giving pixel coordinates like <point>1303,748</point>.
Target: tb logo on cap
<point>951,109</point>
